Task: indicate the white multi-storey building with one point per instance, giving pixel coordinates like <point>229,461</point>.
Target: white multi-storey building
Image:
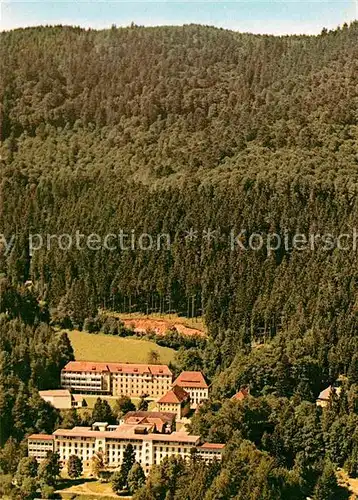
<point>116,379</point>
<point>110,441</point>
<point>86,377</point>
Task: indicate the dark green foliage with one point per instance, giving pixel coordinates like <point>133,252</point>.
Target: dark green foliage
<point>74,467</point>
<point>70,419</point>
<point>102,412</point>
<point>120,477</point>
<point>30,357</point>
<point>160,130</point>
<point>163,480</point>
<point>123,405</point>
<point>10,456</point>
<point>28,488</point>
<point>27,467</point>
<point>327,485</point>
<point>143,404</point>
<point>49,469</point>
<point>6,485</point>
<point>136,478</point>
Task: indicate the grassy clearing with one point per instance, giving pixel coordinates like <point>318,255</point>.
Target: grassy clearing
<point>83,489</point>
<point>91,400</point>
<point>100,347</point>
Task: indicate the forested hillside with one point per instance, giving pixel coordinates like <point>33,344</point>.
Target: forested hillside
<point>164,130</point>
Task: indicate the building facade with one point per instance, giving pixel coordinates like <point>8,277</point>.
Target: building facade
<point>39,445</point>
<point>175,401</point>
<point>138,380</point>
<point>116,379</point>
<point>60,399</point>
<point>86,377</point>
<point>111,441</point>
<point>195,385</point>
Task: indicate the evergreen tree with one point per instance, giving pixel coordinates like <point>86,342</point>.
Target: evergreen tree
<point>102,412</point>
<point>136,478</point>
<point>10,455</point>
<point>142,404</point>
<point>27,468</point>
<point>74,467</point>
<point>327,485</point>
<point>123,405</point>
<point>49,469</point>
<point>120,479</point>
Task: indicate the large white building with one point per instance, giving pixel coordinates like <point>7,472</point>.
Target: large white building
<point>150,447</point>
<point>116,379</point>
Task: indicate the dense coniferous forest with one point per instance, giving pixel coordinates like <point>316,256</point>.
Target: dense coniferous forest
<point>172,129</point>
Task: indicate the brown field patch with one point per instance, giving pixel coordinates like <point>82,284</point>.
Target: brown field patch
<point>159,326</point>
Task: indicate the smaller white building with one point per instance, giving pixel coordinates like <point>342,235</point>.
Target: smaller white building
<point>62,399</point>
<point>195,385</point>
<point>39,445</point>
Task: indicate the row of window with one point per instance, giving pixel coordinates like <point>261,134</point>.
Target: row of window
<point>36,446</point>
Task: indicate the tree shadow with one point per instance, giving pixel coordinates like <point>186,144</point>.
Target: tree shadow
<point>67,483</point>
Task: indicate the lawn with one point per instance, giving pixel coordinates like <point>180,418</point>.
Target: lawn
<point>85,489</point>
<point>102,348</point>
<point>91,401</point>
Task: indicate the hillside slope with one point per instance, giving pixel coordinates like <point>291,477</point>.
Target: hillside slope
<point>164,130</point>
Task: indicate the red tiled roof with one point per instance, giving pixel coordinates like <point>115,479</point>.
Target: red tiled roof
<point>213,446</point>
<point>89,366</point>
<point>165,416</point>
<point>85,366</point>
<point>242,394</point>
<point>191,379</point>
<point>39,437</point>
<point>175,395</point>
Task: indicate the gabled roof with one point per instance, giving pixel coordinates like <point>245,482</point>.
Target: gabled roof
<point>192,380</point>
<point>242,394</point>
<point>89,366</point>
<point>165,416</point>
<point>156,418</point>
<point>175,395</point>
<point>212,446</point>
<point>85,366</point>
<point>326,393</point>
